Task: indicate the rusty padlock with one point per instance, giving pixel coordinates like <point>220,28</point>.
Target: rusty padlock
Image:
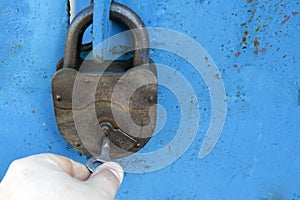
<point>84,133</point>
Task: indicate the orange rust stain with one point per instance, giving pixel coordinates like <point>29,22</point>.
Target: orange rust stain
<point>256,51</point>
<point>249,1</point>
<point>235,66</point>
<point>256,43</point>
<point>246,33</point>
<point>208,65</point>
<point>263,50</point>
<point>286,18</point>
<point>33,111</point>
<point>295,13</point>
<point>217,76</point>
<point>244,39</point>
<point>238,54</point>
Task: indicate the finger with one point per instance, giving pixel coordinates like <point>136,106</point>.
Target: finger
<point>72,168</point>
<point>107,178</point>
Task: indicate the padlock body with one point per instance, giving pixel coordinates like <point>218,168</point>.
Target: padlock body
<point>86,98</point>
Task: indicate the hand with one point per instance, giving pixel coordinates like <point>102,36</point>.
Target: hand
<point>53,177</point>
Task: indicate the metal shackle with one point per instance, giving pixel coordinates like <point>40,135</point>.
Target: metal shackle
<point>118,12</point>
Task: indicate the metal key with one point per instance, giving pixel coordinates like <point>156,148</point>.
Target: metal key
<point>104,157</point>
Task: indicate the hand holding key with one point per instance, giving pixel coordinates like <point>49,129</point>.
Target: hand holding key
<point>103,158</point>
<point>49,176</point>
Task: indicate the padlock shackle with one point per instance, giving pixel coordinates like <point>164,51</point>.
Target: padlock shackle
<point>118,12</point>
<point>129,18</point>
<point>74,37</point>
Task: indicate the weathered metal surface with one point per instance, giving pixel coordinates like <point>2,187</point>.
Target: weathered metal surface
<point>63,84</point>
<point>103,27</point>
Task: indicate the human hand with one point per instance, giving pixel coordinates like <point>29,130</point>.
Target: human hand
<point>53,177</point>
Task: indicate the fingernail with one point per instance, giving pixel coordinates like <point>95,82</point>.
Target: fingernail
<point>116,169</point>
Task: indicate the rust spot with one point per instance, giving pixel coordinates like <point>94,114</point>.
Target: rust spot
<point>256,51</point>
<point>217,76</point>
<point>246,33</point>
<point>257,29</point>
<point>238,54</point>
<point>33,111</point>
<point>263,50</point>
<point>256,43</point>
<point>208,65</point>
<point>243,24</point>
<point>295,13</point>
<point>235,66</point>
<point>244,39</point>
<point>286,18</point>
<point>249,1</point>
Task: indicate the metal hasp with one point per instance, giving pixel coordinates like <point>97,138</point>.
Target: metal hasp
<point>83,91</point>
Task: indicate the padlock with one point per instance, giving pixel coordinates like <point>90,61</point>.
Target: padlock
<point>75,103</point>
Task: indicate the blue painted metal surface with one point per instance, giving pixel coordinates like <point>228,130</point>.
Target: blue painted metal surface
<point>254,44</point>
<point>32,43</point>
<point>101,26</point>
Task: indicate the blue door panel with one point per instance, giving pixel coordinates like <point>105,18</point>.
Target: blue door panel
<point>255,47</point>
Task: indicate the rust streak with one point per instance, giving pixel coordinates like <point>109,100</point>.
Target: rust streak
<point>286,18</point>
<point>295,13</point>
<point>256,43</point>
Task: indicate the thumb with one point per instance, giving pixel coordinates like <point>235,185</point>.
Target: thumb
<point>106,179</point>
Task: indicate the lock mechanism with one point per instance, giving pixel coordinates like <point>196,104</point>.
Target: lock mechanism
<point>93,100</point>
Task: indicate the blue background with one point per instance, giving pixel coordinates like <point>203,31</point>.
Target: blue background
<point>257,156</point>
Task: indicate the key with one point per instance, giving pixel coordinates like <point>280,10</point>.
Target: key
<point>104,157</point>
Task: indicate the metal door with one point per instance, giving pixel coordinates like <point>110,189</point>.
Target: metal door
<point>254,44</point>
